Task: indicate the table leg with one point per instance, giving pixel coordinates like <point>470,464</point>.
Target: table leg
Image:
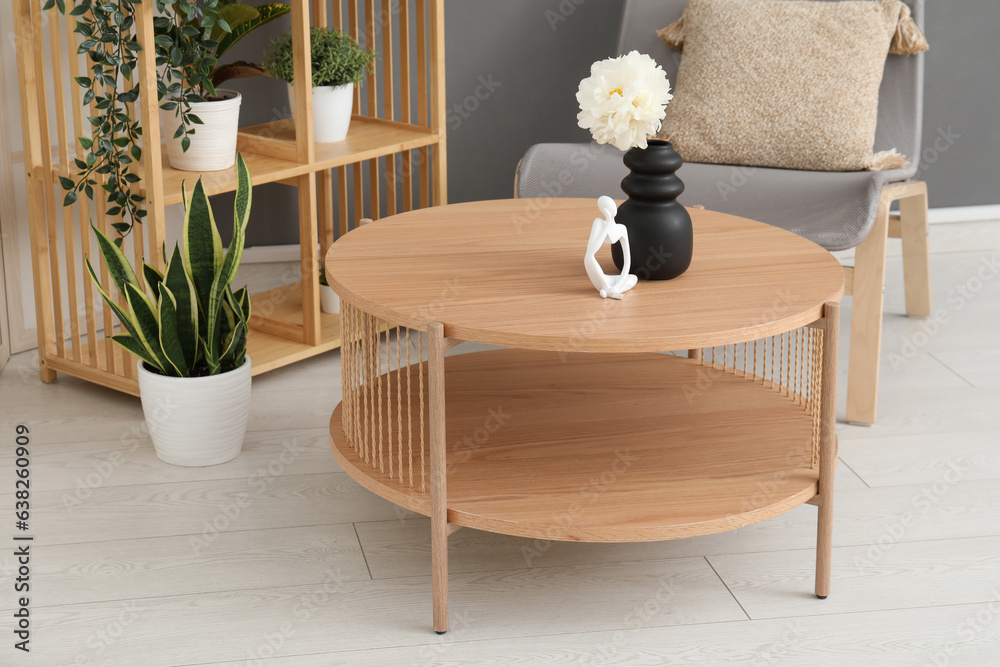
<point>439,477</point>
<point>827,450</point>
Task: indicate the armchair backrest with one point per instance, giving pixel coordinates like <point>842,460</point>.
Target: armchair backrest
<point>900,102</point>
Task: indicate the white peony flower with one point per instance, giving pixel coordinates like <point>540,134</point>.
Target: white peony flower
<point>624,100</point>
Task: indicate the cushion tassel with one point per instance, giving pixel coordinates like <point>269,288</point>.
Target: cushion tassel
<point>908,40</point>
<point>673,34</point>
<point>883,160</point>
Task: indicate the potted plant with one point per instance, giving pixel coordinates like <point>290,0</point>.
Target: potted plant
<point>199,119</point>
<point>190,38</point>
<point>329,300</point>
<point>338,64</point>
<point>189,330</point>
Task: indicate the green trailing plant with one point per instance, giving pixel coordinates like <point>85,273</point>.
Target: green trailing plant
<point>187,322</point>
<point>106,163</point>
<point>190,39</point>
<point>336,58</point>
<point>322,276</point>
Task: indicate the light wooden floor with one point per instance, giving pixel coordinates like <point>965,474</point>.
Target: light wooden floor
<point>280,555</point>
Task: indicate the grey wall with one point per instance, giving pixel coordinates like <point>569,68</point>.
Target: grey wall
<point>533,54</point>
<point>961,152</point>
<point>540,69</point>
<point>538,51</point>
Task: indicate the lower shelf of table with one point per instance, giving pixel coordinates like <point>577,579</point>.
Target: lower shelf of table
<point>606,448</point>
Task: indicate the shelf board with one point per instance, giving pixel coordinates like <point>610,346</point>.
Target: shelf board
<point>284,304</point>
<point>263,169</point>
<point>368,138</point>
<point>607,448</point>
<point>269,151</point>
<point>270,352</point>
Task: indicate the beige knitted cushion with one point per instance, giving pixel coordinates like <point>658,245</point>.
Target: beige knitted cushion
<point>784,83</point>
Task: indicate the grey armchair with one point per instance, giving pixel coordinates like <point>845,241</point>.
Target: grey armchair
<point>837,210</point>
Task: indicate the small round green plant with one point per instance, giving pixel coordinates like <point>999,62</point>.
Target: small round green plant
<point>336,58</point>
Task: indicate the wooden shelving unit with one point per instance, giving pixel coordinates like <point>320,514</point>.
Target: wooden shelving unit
<point>392,161</point>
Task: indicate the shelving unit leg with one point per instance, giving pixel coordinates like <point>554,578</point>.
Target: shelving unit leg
<point>439,477</point>
<point>828,449</point>
<point>308,238</point>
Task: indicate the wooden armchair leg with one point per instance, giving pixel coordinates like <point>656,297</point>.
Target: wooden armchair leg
<point>866,319</point>
<point>916,255</point>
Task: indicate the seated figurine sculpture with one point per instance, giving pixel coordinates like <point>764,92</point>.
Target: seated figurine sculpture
<point>606,230</point>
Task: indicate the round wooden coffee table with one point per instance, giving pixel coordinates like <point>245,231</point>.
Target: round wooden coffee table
<point>692,406</point>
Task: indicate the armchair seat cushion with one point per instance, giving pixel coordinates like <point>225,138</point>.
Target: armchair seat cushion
<point>834,209</point>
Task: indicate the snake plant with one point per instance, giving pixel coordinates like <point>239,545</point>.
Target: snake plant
<point>187,322</point>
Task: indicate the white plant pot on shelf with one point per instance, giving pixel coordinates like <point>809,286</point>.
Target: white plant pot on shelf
<point>332,106</point>
<point>213,144</point>
<point>329,300</point>
<point>198,421</point>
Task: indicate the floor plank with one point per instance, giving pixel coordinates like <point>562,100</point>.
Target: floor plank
<point>882,576</point>
<point>182,565</point>
<point>950,635</point>
<point>202,507</point>
<point>340,615</point>
<point>924,458</point>
<point>80,467</point>
<point>939,510</point>
<point>980,367</point>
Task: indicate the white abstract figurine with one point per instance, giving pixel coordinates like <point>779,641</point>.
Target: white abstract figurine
<point>606,230</point>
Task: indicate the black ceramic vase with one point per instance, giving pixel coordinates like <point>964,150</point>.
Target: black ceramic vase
<point>659,228</point>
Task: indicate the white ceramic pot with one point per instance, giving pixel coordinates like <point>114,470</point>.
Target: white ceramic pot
<point>196,421</point>
<point>329,300</point>
<point>332,106</point>
<point>213,145</point>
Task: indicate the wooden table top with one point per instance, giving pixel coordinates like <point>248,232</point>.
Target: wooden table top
<point>510,273</point>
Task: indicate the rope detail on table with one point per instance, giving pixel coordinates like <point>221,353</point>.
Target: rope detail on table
<point>384,404</point>
<point>789,363</point>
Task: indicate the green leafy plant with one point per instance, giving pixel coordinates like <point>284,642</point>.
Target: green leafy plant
<point>242,20</point>
<point>336,58</point>
<point>187,322</point>
<point>190,39</point>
